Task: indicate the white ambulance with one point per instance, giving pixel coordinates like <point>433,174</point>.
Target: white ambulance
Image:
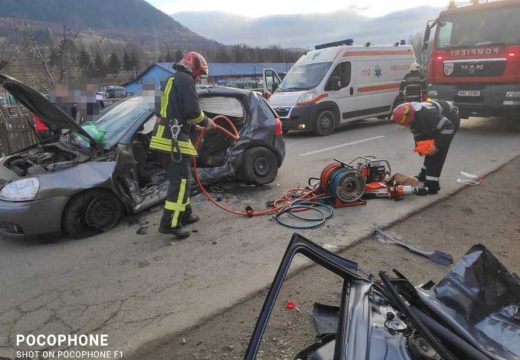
<point>336,83</point>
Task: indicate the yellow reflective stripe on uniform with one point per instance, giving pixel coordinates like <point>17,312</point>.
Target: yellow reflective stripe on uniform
<point>165,98</point>
<point>169,205</point>
<point>160,131</point>
<point>165,141</point>
<point>168,149</point>
<point>176,213</point>
<point>157,146</point>
<point>185,146</point>
<point>198,119</point>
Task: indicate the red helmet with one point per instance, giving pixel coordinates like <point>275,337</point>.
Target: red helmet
<point>195,63</point>
<point>404,114</point>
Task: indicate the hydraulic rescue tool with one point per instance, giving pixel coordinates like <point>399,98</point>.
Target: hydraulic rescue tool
<point>340,185</point>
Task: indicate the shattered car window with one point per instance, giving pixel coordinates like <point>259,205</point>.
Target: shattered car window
<point>114,124</point>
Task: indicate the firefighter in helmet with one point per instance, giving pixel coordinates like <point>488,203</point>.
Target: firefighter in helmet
<point>414,85</point>
<point>433,125</point>
<point>179,116</point>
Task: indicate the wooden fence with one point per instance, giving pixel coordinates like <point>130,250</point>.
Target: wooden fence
<point>16,129</point>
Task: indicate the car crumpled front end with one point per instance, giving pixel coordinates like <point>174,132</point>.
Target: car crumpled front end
<point>473,313</point>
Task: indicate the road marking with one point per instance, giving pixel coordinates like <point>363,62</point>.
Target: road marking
<point>340,146</point>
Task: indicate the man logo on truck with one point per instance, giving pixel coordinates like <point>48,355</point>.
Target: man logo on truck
<point>448,68</point>
<point>475,58</point>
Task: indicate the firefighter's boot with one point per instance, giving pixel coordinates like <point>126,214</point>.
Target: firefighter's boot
<point>178,231</point>
<point>190,219</point>
<point>422,175</point>
<point>429,188</point>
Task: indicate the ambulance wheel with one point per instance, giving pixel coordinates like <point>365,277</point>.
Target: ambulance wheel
<point>325,123</point>
<point>259,166</point>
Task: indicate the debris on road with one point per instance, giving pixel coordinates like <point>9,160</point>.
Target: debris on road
<point>470,314</point>
<point>142,230</point>
<point>325,318</point>
<point>436,256</point>
<point>469,179</point>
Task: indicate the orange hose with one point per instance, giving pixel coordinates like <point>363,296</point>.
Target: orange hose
<point>287,198</point>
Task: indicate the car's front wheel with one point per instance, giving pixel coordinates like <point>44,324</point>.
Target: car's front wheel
<point>91,212</point>
<point>259,166</point>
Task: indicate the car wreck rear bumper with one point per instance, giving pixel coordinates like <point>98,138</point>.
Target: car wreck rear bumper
<point>31,218</point>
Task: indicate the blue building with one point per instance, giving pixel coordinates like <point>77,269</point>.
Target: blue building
<point>227,74</point>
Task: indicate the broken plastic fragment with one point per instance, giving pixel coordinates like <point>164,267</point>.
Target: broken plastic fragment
<point>290,305</point>
<point>469,179</point>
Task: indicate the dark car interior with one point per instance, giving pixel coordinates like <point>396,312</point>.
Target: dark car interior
<point>212,151</point>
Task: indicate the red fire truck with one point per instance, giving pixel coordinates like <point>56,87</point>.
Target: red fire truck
<point>475,58</point>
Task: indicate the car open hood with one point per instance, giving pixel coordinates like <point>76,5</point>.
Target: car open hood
<point>52,116</point>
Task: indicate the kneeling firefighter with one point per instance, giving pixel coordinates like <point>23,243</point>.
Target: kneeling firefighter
<point>179,116</point>
<point>433,125</point>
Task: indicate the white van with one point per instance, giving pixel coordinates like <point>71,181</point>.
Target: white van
<point>333,85</point>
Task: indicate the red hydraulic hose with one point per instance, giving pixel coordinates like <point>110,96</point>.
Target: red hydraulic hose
<point>309,194</point>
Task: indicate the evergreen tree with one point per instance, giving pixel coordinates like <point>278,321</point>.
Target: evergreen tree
<point>169,57</point>
<point>84,60</point>
<point>127,62</point>
<point>114,64</point>
<point>222,55</point>
<point>238,55</point>
<point>178,55</point>
<point>134,61</point>
<point>99,66</point>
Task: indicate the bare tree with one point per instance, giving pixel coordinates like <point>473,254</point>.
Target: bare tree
<point>422,55</point>
<point>63,62</point>
<point>67,53</point>
<point>32,47</point>
<point>8,53</point>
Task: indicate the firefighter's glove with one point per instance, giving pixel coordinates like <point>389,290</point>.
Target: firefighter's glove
<point>426,148</point>
<point>432,151</point>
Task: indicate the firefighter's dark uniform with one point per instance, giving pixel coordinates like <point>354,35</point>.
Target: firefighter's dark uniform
<point>437,120</point>
<point>413,87</point>
<point>179,101</point>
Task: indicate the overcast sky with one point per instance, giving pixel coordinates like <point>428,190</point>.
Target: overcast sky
<point>371,8</point>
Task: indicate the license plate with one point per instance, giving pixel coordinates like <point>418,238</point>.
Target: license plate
<point>468,93</point>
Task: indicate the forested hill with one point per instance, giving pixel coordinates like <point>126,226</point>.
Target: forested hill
<point>134,20</point>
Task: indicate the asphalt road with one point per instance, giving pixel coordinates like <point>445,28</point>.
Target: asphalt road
<point>136,288</point>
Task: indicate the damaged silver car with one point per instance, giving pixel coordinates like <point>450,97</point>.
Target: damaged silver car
<point>82,180</point>
<point>472,313</point>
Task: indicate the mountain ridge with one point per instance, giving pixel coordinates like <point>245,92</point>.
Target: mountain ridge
<point>141,23</point>
<point>306,30</point>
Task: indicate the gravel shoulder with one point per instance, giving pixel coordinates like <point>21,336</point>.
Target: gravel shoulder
<point>488,214</point>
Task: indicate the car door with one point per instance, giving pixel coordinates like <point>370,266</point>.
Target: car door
<point>340,90</point>
<point>271,82</point>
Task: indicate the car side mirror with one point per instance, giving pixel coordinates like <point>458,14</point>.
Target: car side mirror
<point>274,87</point>
<point>334,83</point>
